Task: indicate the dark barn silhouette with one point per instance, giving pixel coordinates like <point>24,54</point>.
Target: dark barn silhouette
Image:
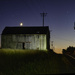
<point>36,38</point>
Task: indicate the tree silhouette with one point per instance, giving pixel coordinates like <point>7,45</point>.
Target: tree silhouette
<point>70,49</point>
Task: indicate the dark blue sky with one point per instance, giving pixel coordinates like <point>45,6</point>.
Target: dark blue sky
<point>60,17</point>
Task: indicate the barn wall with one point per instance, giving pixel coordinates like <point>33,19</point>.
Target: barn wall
<point>25,41</point>
<point>6,41</point>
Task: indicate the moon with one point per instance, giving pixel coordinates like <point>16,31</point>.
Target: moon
<point>21,24</point>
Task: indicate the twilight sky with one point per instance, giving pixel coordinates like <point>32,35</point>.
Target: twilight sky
<point>60,18</point>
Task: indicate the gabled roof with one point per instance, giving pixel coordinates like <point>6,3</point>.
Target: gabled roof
<point>26,30</point>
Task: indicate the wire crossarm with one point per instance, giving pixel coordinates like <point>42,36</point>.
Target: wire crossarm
<point>43,15</point>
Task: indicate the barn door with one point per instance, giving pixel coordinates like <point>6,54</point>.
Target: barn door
<point>27,45</point>
<point>37,42</point>
<point>20,45</point>
<point>23,44</point>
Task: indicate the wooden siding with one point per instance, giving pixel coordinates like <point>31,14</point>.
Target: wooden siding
<point>25,41</point>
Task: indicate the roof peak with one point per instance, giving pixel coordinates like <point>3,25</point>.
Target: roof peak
<point>26,30</point>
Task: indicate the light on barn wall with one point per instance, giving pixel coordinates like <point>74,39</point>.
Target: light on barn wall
<point>21,24</point>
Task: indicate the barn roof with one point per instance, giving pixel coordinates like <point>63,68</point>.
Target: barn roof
<point>26,30</point>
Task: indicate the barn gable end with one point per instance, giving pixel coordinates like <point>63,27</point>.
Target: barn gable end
<point>36,38</point>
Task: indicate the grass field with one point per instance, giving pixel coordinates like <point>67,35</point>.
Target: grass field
<point>27,62</point>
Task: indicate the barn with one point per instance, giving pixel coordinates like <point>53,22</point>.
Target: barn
<point>31,38</point>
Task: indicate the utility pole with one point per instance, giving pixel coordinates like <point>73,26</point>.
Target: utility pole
<point>43,15</point>
<point>52,45</point>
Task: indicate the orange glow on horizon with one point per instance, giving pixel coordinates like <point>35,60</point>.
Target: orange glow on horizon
<point>58,50</point>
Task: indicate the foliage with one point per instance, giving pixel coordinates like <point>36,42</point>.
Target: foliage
<point>69,49</point>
